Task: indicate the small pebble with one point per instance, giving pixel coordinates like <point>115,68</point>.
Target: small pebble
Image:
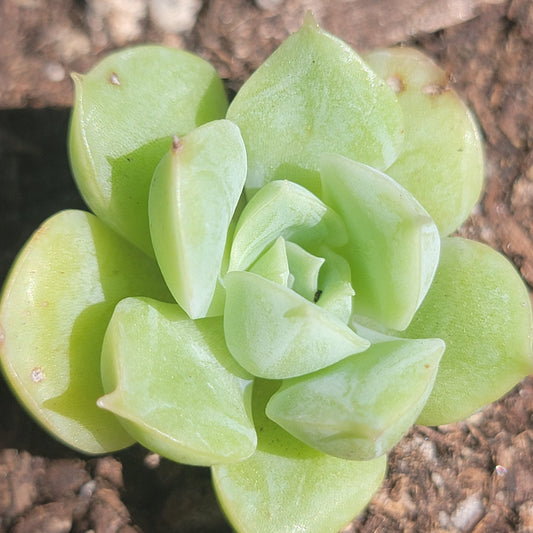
<point>172,16</point>
<point>468,513</point>
<point>437,479</point>
<point>268,5</point>
<point>55,72</point>
<point>500,470</point>
<point>87,489</point>
<point>152,460</point>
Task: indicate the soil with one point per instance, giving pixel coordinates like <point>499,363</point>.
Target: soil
<point>474,476</point>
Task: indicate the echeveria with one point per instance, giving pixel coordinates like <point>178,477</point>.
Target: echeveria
<point>313,305</point>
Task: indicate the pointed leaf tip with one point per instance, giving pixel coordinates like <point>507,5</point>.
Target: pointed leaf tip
<point>177,144</point>
<point>310,20</point>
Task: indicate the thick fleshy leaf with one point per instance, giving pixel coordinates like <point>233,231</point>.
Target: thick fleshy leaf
<point>335,291</point>
<point>394,245</point>
<point>305,268</point>
<point>275,333</point>
<point>273,263</point>
<point>481,308</point>
<point>442,160</point>
<point>360,407</point>
<point>126,110</point>
<point>219,297</point>
<point>194,193</point>
<point>314,94</point>
<point>55,308</point>
<point>283,208</point>
<point>174,385</point>
<point>285,486</point>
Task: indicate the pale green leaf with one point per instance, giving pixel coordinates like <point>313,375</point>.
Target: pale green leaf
<point>273,263</point>
<point>56,304</point>
<point>393,247</point>
<point>275,333</point>
<point>480,307</point>
<point>174,385</point>
<point>287,487</point>
<point>441,162</point>
<point>285,209</point>
<point>305,268</point>
<point>314,94</point>
<point>125,111</point>
<point>335,291</point>
<point>362,406</point>
<point>193,196</point>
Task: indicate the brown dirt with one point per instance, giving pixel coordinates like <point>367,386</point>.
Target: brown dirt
<point>475,476</point>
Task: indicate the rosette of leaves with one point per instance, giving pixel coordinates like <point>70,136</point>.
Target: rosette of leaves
<point>268,289</point>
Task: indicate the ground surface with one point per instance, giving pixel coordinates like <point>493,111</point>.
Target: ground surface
<point>440,479</point>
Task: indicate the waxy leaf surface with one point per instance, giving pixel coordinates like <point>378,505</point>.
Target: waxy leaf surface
<point>304,268</point>
<point>126,110</point>
<point>441,162</point>
<point>335,291</point>
<point>360,407</point>
<point>481,308</point>
<point>273,263</point>
<point>393,246</point>
<point>55,308</point>
<point>283,209</point>
<point>194,193</point>
<point>285,486</point>
<point>313,95</point>
<point>174,385</point>
<point>275,333</point>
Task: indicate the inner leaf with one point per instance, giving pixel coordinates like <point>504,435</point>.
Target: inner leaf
<point>305,268</point>
<point>393,246</point>
<point>283,208</point>
<point>275,333</point>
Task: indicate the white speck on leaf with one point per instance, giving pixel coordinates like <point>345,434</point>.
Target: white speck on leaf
<point>37,374</point>
<point>396,84</point>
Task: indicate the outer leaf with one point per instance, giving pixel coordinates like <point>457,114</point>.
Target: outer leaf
<point>55,307</point>
<point>314,95</point>
<point>275,333</point>
<point>442,161</point>
<point>193,196</point>
<point>393,246</point>
<point>480,307</point>
<point>285,209</point>
<point>174,384</point>
<point>287,487</point>
<point>362,406</point>
<point>125,111</point>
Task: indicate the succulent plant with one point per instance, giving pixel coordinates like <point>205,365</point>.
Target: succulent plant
<point>269,289</point>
